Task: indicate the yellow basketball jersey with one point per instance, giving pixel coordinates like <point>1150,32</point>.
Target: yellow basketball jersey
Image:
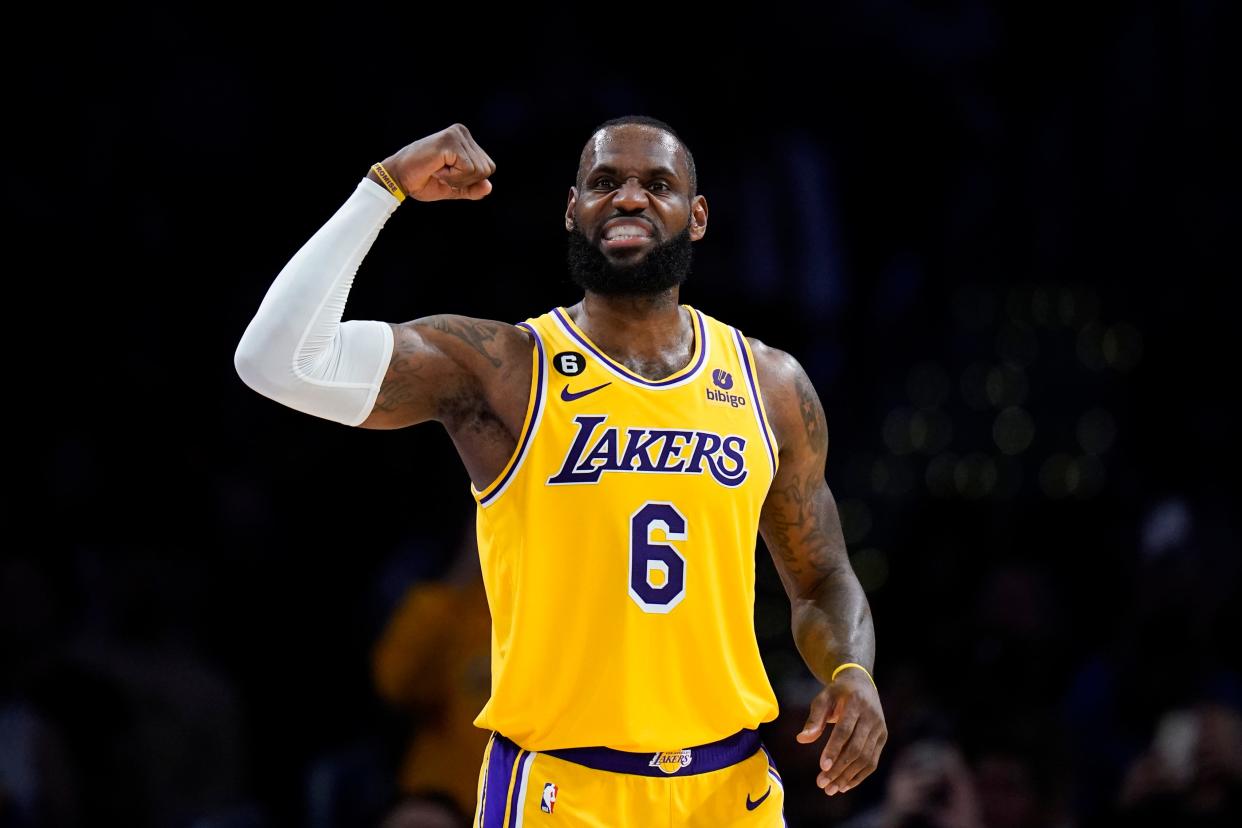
<point>618,546</point>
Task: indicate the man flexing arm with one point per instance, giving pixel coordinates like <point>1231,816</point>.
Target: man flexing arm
<point>830,615</point>
<point>472,375</point>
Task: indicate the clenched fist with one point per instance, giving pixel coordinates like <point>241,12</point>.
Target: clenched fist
<point>447,164</point>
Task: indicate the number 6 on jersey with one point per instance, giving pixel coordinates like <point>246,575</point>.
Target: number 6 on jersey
<point>657,570</point>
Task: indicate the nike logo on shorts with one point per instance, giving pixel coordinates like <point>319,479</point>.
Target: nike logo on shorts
<point>750,806</point>
<point>570,396</point>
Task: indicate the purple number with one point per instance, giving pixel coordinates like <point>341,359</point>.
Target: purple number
<point>657,570</point>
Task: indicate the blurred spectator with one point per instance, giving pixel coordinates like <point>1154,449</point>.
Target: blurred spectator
<point>436,810</point>
<point>119,721</point>
<point>1179,585</point>
<point>36,787</point>
<point>1017,790</point>
<point>930,786</point>
<point>1191,775</point>
<point>433,660</point>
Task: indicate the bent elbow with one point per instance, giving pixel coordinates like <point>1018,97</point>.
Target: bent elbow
<point>248,366</point>
<point>259,367</point>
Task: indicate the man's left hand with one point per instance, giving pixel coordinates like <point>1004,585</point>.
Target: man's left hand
<point>852,705</point>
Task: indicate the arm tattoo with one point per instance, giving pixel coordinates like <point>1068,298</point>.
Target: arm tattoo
<point>794,523</point>
<point>800,519</point>
<point>476,333</point>
<point>402,384</point>
<point>802,528</point>
<point>812,416</point>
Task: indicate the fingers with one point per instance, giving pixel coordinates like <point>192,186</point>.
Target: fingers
<point>815,719</point>
<point>458,171</point>
<point>838,710</point>
<point>465,160</point>
<point>831,759</point>
<point>866,762</point>
<point>478,190</point>
<point>484,166</point>
<point>473,192</point>
<point>466,171</point>
<point>449,164</point>
<point>488,164</point>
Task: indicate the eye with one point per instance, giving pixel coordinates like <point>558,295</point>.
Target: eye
<point>600,182</point>
<point>660,184</point>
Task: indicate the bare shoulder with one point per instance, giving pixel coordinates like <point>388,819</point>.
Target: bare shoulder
<point>789,396</point>
<point>447,366</point>
<point>773,363</point>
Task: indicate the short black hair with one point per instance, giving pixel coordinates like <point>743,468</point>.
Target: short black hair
<point>644,120</point>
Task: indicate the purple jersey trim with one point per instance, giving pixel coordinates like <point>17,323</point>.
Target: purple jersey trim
<point>519,789</point>
<point>618,368</point>
<point>496,782</point>
<point>482,809</point>
<point>771,763</point>
<point>703,758</point>
<point>530,426</point>
<point>754,391</point>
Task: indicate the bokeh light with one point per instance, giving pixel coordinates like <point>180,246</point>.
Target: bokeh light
<point>975,475</point>
<point>1013,430</point>
<point>1006,385</point>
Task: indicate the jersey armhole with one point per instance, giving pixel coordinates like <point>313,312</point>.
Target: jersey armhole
<point>530,424</point>
<point>761,412</point>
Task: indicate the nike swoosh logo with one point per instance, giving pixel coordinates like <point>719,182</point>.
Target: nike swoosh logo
<point>750,806</point>
<point>570,396</point>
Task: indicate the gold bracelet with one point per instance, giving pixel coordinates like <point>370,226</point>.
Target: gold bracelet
<point>853,664</point>
<point>388,181</point>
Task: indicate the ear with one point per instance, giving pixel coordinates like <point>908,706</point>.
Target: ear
<point>569,210</point>
<point>698,218</point>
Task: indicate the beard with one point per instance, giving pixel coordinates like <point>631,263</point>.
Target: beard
<point>665,265</point>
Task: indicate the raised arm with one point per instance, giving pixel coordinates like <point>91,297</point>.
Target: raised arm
<point>296,350</point>
<point>445,366</point>
<point>830,615</point>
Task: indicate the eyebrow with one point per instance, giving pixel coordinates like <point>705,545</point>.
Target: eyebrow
<point>656,171</point>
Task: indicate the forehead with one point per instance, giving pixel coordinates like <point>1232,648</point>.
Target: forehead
<point>635,147</point>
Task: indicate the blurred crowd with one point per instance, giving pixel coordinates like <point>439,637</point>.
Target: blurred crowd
<point>120,723</point>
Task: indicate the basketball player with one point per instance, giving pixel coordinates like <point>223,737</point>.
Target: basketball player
<point>623,452</point>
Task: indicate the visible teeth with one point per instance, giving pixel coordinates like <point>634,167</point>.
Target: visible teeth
<point>627,231</point>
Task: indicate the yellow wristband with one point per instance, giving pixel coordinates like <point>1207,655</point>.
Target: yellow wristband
<point>853,664</point>
<point>388,181</point>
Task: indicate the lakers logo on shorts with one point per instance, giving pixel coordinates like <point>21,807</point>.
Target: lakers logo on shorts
<point>670,761</point>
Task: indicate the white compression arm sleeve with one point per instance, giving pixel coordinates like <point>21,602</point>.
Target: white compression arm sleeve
<point>296,350</point>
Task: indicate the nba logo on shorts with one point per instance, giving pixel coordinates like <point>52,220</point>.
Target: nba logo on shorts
<point>549,797</point>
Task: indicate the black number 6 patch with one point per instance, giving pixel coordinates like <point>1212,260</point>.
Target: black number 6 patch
<point>569,363</point>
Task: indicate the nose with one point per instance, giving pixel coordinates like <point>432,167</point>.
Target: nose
<point>630,195</point>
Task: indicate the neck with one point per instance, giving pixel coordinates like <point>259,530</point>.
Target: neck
<point>646,328</point>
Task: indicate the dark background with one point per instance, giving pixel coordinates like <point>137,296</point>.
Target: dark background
<point>1001,238</point>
